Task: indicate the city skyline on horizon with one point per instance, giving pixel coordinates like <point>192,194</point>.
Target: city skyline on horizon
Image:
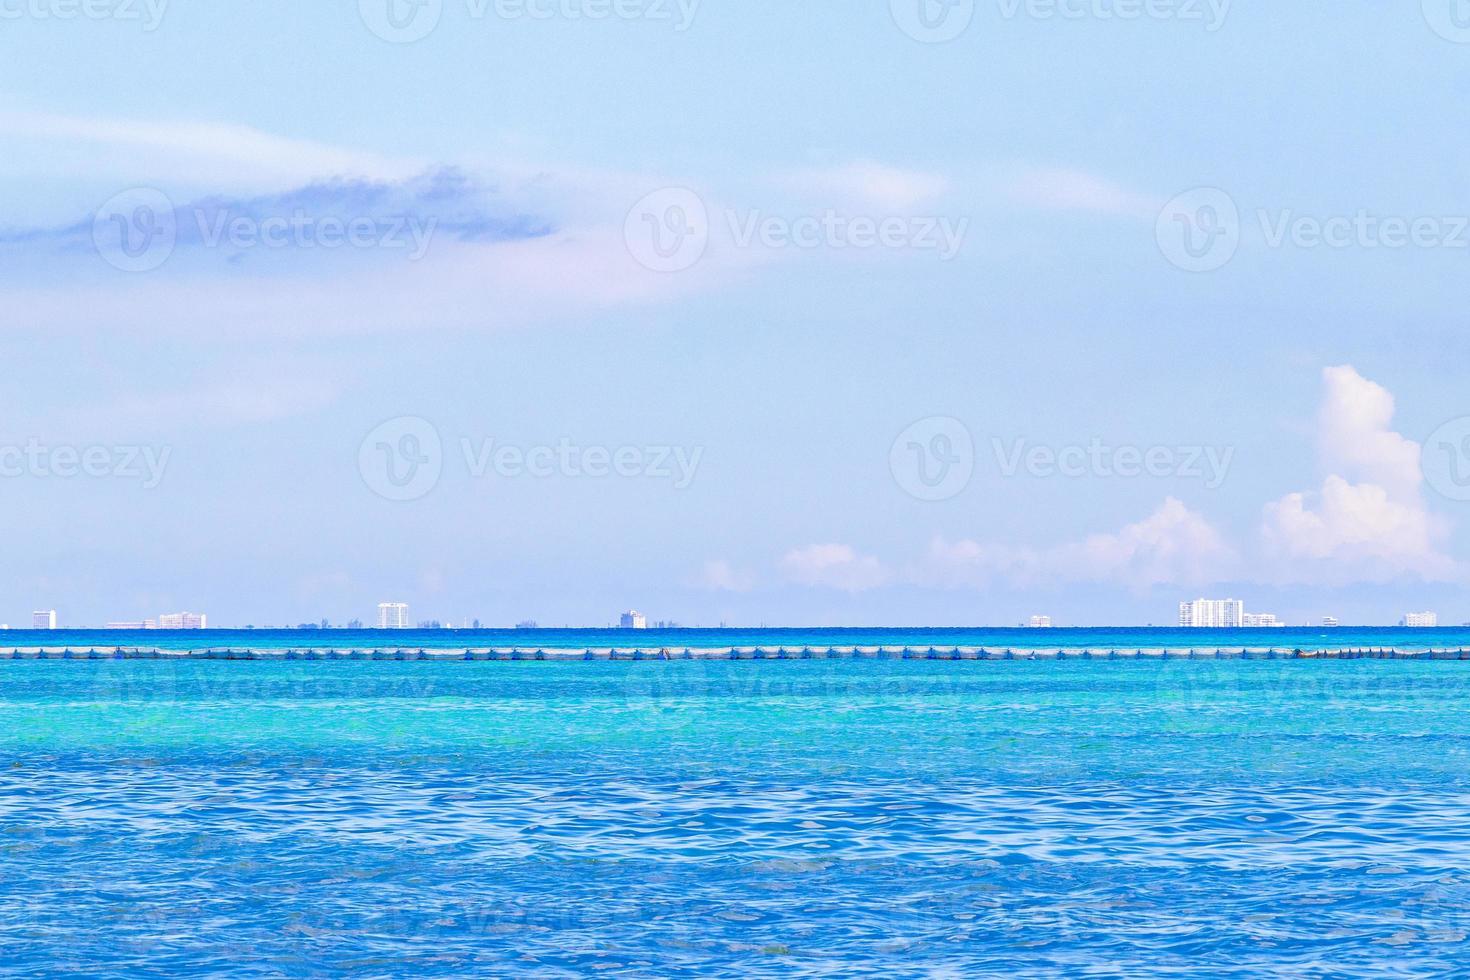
<point>1407,619</point>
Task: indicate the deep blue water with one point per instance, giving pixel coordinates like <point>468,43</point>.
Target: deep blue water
<point>1305,638</point>
<point>818,818</point>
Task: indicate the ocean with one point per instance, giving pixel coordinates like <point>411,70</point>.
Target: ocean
<point>711,818</point>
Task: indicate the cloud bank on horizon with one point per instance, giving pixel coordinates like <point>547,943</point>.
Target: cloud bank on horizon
<point>1376,529</point>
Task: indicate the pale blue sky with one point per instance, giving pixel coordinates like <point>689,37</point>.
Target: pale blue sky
<point>788,372</point>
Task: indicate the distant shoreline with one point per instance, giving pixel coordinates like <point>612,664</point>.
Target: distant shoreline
<point>249,631</point>
<point>645,654</point>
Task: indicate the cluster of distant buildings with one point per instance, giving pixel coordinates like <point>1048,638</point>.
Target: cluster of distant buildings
<point>635,620</point>
<point>1231,614</point>
<point>1223,614</point>
<point>45,619</point>
<point>168,621</point>
<point>1193,613</point>
<point>394,616</point>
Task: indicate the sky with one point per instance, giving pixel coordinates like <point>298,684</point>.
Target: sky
<point>891,312</point>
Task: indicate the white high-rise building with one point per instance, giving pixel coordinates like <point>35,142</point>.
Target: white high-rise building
<point>392,615</point>
<point>1212,613</point>
<point>43,619</point>
<point>1420,620</point>
<point>1329,621</point>
<point>183,621</point>
<point>1257,620</point>
<point>1041,622</point>
<point>634,620</point>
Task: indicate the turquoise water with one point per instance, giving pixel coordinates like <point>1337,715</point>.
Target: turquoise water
<point>819,818</point>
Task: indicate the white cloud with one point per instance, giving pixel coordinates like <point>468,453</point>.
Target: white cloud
<point>719,575</point>
<point>834,566</point>
<point>1354,437</point>
<point>1357,524</point>
<point>207,153</point>
<point>582,264</point>
<point>1375,529</point>
<point>1172,546</point>
<point>458,285</point>
<point>876,186</point>
<point>1371,530</point>
<point>970,564</point>
<point>1061,189</point>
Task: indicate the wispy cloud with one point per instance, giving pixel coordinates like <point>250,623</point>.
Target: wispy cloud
<point>485,249</point>
<point>719,575</point>
<point>1064,189</point>
<point>196,153</point>
<point>405,213</point>
<point>869,186</point>
<point>1172,546</point>
<point>464,285</point>
<point>834,566</point>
